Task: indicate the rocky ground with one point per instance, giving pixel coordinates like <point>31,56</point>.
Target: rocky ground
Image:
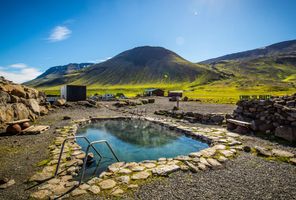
<point>19,155</point>
<point>246,177</point>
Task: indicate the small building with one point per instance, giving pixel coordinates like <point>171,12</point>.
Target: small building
<point>176,93</point>
<point>154,92</point>
<point>108,97</point>
<point>73,92</point>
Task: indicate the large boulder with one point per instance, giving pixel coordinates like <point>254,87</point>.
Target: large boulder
<point>33,104</point>
<point>59,102</point>
<point>42,97</point>
<point>217,119</point>
<point>31,93</point>
<point>43,110</point>
<point>20,111</point>
<point>14,129</point>
<point>286,132</point>
<point>6,113</point>
<point>4,97</point>
<point>265,127</point>
<point>20,102</point>
<point>15,99</point>
<point>14,89</point>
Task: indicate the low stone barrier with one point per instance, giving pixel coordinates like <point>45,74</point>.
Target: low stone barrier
<point>133,102</point>
<point>121,177</point>
<point>210,118</point>
<point>275,116</point>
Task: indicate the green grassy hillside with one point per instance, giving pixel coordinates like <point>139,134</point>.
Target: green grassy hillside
<point>145,65</point>
<point>256,77</point>
<point>220,81</point>
<point>141,65</point>
<point>274,50</point>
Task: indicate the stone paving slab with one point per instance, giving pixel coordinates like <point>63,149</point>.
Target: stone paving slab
<point>121,177</point>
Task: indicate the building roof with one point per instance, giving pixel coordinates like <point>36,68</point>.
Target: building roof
<point>75,85</point>
<point>176,91</point>
<point>152,89</point>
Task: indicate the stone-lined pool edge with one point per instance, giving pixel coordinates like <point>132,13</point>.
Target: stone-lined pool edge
<point>121,177</point>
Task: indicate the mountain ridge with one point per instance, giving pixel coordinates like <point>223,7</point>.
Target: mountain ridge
<point>285,47</point>
<point>57,72</point>
<point>268,70</point>
<point>64,69</point>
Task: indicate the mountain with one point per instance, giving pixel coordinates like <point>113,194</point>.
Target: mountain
<point>58,75</point>
<point>141,65</point>
<point>283,49</point>
<point>273,66</point>
<point>262,70</point>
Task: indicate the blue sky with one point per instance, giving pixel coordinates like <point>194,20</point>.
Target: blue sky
<point>38,34</point>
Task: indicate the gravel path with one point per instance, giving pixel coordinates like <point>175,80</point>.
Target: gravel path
<point>247,177</point>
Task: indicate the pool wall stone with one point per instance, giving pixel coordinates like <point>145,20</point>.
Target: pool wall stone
<point>121,177</point>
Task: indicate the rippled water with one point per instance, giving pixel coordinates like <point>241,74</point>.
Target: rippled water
<point>136,140</point>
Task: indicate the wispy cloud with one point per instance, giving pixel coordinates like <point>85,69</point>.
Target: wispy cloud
<point>59,33</point>
<point>18,66</point>
<point>19,72</point>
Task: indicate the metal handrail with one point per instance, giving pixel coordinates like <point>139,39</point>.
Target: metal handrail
<point>62,149</point>
<point>87,150</point>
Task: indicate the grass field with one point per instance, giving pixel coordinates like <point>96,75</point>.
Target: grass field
<point>262,76</point>
<point>218,92</point>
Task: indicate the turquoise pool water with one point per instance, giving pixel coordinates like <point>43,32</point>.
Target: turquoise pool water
<point>135,140</point>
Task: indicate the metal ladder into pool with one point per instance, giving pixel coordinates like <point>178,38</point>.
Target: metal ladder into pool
<point>90,144</point>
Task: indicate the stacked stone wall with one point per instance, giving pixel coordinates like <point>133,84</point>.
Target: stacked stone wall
<point>20,102</point>
<point>210,118</point>
<point>276,115</point>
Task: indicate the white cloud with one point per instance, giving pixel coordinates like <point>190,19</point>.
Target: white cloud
<point>19,65</point>
<point>59,33</point>
<point>22,73</point>
<point>195,13</point>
